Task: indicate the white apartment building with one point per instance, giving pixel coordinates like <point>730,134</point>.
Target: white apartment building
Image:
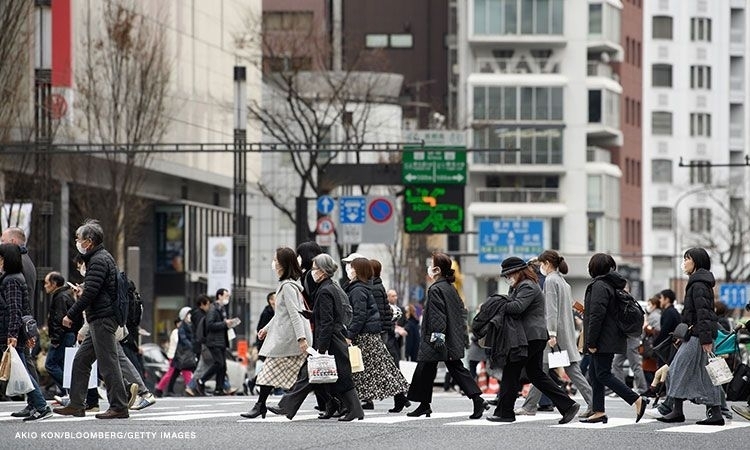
<point>536,76</point>
<point>694,108</point>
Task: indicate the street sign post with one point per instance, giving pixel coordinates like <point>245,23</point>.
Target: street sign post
<point>352,210</point>
<point>734,295</point>
<point>499,239</point>
<point>325,204</point>
<point>434,165</point>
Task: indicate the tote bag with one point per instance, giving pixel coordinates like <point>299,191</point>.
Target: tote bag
<point>70,354</point>
<point>558,358</point>
<point>355,358</point>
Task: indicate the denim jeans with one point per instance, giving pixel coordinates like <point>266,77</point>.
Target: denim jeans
<point>601,377</point>
<point>56,359</point>
<point>34,399</point>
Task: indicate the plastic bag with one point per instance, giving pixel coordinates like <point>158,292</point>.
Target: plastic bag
<point>321,368</point>
<point>19,381</point>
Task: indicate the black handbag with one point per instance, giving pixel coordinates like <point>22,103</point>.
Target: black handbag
<point>739,388</point>
<point>184,359</point>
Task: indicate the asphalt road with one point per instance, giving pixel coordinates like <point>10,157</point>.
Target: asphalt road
<point>214,423</point>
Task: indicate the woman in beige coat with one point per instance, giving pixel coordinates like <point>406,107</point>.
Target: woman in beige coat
<point>287,335</point>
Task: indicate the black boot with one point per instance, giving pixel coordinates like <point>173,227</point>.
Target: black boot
<point>479,407</point>
<point>331,407</point>
<point>399,403</point>
<point>713,417</point>
<point>368,404</point>
<point>355,408</point>
<point>258,410</point>
<point>422,409</point>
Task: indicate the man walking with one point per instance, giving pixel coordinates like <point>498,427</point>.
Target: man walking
<point>60,337</point>
<point>98,300</point>
<point>217,341</point>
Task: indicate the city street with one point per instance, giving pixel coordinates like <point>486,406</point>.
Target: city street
<point>212,423</point>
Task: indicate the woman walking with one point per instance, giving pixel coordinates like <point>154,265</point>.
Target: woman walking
<point>287,335</point>
<point>411,347</point>
<point>604,338</point>
<point>561,328</point>
<point>328,338</point>
<point>381,378</point>
<point>526,301</point>
<point>443,337</point>
<point>688,378</point>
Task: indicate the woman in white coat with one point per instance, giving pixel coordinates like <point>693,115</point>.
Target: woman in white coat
<point>287,335</point>
<point>561,328</point>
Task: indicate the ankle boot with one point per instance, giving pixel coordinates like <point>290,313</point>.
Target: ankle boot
<point>422,409</point>
<point>258,410</point>
<point>479,407</point>
<point>713,416</point>
<point>331,407</point>
<point>352,403</point>
<point>399,403</point>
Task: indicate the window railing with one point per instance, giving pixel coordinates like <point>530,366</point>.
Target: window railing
<point>597,69</point>
<point>736,83</point>
<point>736,35</point>
<point>517,65</point>
<point>517,195</point>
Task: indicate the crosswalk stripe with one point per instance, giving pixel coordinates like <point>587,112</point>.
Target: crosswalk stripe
<point>276,419</point>
<point>519,419</point>
<point>185,417</point>
<point>703,429</point>
<point>612,423</point>
<point>59,418</point>
<point>167,413</point>
<point>404,418</point>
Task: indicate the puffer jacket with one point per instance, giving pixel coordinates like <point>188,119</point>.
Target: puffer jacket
<point>365,315</point>
<point>216,328</point>
<point>99,288</point>
<point>444,312</point>
<point>384,308</point>
<point>59,304</point>
<point>600,327</point>
<point>699,306</point>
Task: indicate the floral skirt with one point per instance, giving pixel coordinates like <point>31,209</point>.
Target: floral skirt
<point>280,371</point>
<point>381,378</point>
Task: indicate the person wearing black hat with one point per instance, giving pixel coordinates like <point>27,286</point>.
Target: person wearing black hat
<point>527,301</point>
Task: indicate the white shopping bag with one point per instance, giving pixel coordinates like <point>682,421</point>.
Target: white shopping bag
<point>407,369</point>
<point>19,381</point>
<point>558,358</point>
<point>70,354</point>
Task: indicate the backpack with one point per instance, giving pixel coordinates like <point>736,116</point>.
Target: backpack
<point>28,330</point>
<point>135,307</point>
<point>122,301</point>
<point>200,332</point>
<point>630,314</point>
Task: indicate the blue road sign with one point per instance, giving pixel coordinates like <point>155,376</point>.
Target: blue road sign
<point>416,292</point>
<point>352,210</point>
<point>499,239</point>
<point>325,204</point>
<point>734,295</point>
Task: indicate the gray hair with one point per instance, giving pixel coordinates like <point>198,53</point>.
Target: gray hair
<point>17,234</point>
<point>91,229</point>
<point>325,263</point>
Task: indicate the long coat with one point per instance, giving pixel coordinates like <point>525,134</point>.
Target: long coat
<point>559,305</point>
<point>600,311</point>
<point>287,324</point>
<point>444,312</point>
<point>527,301</point>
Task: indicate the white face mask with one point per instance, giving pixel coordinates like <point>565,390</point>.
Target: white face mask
<point>543,271</point>
<point>80,248</point>
<point>82,271</point>
<point>225,302</point>
<point>317,275</point>
<point>433,272</point>
<point>299,260</point>
<point>350,272</point>
<point>273,266</point>
<point>682,267</point>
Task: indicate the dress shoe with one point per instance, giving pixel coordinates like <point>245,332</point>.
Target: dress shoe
<point>367,404</point>
<point>546,408</point>
<point>600,419</point>
<point>501,419</point>
<point>493,402</point>
<point>743,411</point>
<point>713,417</point>
<point>70,411</point>
<point>422,410</point>
<point>479,407</point>
<point>641,410</point>
<point>674,419</point>
<point>570,414</point>
<point>113,414</point>
<point>276,410</point>
<point>399,403</point>
<point>258,410</point>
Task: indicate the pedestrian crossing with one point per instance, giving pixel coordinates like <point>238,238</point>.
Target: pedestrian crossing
<point>181,410</point>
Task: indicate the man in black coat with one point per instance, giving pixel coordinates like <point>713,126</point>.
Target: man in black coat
<point>670,317</point>
<point>60,337</point>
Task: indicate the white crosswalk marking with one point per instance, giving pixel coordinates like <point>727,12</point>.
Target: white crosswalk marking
<point>404,418</point>
<point>519,419</point>
<point>273,418</point>
<point>611,423</point>
<point>186,416</point>
<point>704,429</point>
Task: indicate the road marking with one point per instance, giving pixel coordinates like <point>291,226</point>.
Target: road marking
<point>276,419</point>
<point>519,419</point>
<point>188,416</point>
<point>399,419</point>
<point>612,423</point>
<point>704,429</point>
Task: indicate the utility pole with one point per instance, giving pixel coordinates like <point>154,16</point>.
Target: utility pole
<point>240,237</point>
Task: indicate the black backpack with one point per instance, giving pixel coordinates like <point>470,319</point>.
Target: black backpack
<point>122,301</point>
<point>28,330</point>
<point>630,314</point>
<point>135,306</point>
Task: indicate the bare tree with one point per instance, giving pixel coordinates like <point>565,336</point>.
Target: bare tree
<point>123,85</point>
<point>15,70</point>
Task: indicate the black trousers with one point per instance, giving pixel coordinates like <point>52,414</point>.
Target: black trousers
<point>296,395</point>
<point>510,383</point>
<point>420,389</point>
<point>219,367</point>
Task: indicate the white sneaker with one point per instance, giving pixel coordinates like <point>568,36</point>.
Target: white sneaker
<point>144,401</point>
<point>653,412</point>
<point>62,400</point>
<point>133,394</point>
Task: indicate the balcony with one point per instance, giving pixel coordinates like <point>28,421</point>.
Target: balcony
<point>736,136</point>
<point>604,117</point>
<point>736,41</point>
<point>599,69</point>
<point>517,65</point>
<point>517,195</point>
<point>529,22</point>
<point>736,88</point>
<point>604,29</point>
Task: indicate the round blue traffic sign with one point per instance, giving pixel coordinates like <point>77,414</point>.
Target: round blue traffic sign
<point>380,210</point>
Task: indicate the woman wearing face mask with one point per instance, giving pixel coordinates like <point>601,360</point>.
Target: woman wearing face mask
<point>443,338</point>
<point>526,300</point>
<point>561,328</point>
<point>381,378</point>
<point>688,378</point>
<point>287,335</point>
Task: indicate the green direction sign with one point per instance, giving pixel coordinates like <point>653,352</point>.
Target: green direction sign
<point>434,165</point>
<point>434,209</point>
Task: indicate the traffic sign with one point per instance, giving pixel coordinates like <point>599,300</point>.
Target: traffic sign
<point>325,204</point>
<point>380,210</point>
<point>352,210</point>
<point>434,209</point>
<point>499,239</point>
<point>434,165</point>
<point>325,226</point>
<point>734,295</point>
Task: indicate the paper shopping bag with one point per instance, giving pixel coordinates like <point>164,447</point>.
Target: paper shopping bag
<point>70,354</point>
<point>5,365</point>
<point>558,358</point>
<point>407,369</point>
<point>355,358</point>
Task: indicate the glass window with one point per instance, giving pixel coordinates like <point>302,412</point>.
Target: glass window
<point>700,220</point>
<point>527,99</point>
<point>511,17</point>
<point>480,104</point>
<point>700,77</point>
<point>557,21</point>
<point>402,40</point>
<point>700,124</point>
<point>542,17</point>
<point>376,41</point>
<point>700,172</point>
<point>595,106</point>
<point>595,19</point>
<point>662,27</point>
<point>509,103</point>
<point>556,112</point>
<point>700,29</point>
<point>494,103</point>
<point>542,104</point>
<point>661,123</point>
<point>661,75</point>
<point>527,16</point>
<point>661,218</point>
<point>480,14</point>
<point>661,170</point>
